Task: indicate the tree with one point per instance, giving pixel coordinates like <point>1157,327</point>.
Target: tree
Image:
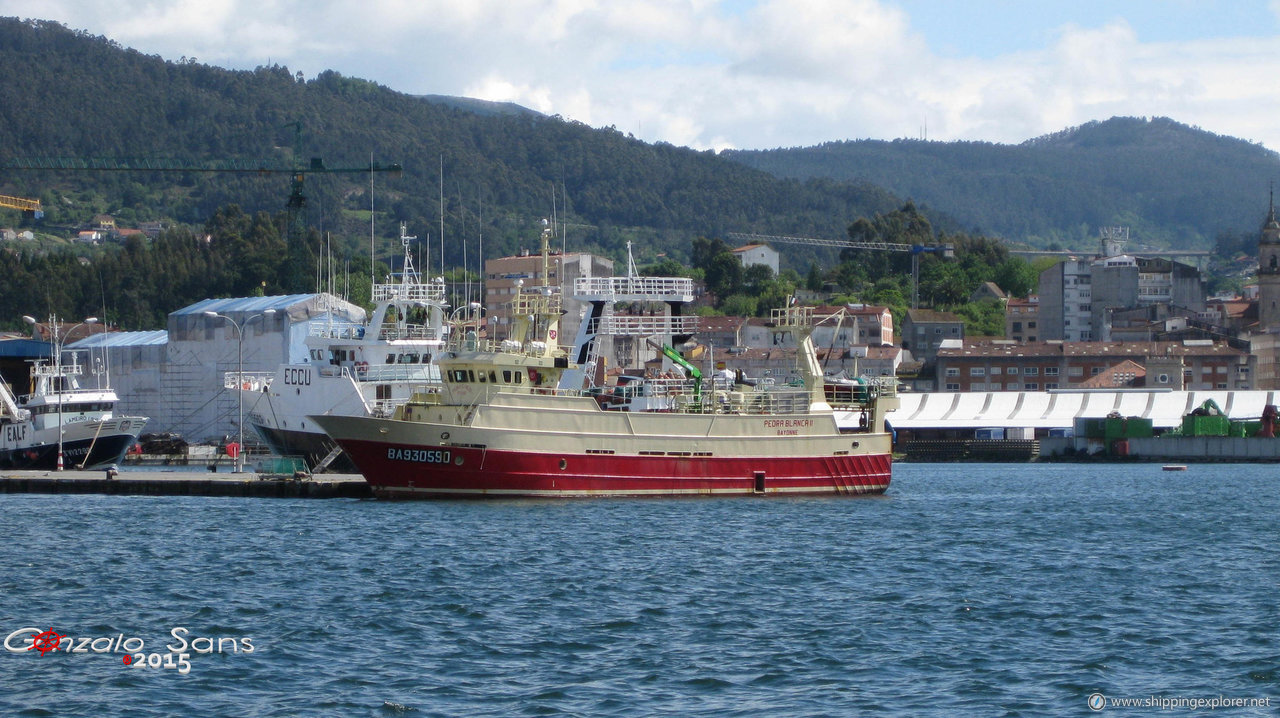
<point>666,268</point>
<point>1016,277</point>
<point>813,281</point>
<point>982,319</point>
<point>739,305</point>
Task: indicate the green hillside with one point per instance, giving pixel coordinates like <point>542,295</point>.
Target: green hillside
<point>492,171</point>
<point>1173,185</point>
<point>69,94</point>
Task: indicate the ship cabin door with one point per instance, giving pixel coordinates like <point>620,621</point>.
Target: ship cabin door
<point>759,482</point>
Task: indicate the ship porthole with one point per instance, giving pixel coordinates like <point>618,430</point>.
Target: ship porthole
<point>564,464</point>
<point>458,461</point>
<point>444,435</point>
<point>855,444</point>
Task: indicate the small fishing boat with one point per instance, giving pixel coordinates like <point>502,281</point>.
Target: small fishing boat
<point>61,424</point>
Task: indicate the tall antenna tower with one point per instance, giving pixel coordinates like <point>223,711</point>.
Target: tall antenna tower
<point>1113,240</point>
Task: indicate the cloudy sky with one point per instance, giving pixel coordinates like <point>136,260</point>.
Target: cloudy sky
<point>714,74</point>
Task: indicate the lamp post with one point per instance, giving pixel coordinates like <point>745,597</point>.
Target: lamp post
<point>240,375</point>
<point>59,379</point>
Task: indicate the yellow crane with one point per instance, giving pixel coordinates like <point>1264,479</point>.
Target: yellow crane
<point>26,205</point>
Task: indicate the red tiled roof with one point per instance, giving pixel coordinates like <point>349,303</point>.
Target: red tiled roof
<point>720,324</point>
<point>1126,373</point>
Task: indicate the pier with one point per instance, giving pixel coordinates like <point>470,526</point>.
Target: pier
<point>184,483</point>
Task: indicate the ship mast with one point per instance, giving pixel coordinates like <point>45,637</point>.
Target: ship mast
<point>536,313</point>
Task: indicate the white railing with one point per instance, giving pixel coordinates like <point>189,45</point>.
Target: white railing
<point>633,286</point>
<point>411,331</point>
<point>425,292</point>
<point>420,373</point>
<point>666,394</point>
<point>253,380</point>
<point>347,331</point>
<point>631,325</point>
<point>43,369</point>
<point>340,330</point>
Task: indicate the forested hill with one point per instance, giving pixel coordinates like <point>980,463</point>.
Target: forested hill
<point>70,94</point>
<point>1173,185</point>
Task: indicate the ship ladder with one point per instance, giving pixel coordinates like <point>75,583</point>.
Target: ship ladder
<point>589,366</point>
<point>328,459</point>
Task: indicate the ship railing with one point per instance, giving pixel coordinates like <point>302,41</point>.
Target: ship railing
<point>533,303</point>
<point>51,370</point>
<point>251,381</point>
<point>885,385</point>
<point>432,291</point>
<point>783,400</point>
<point>792,316</point>
<point>411,331</point>
<point>861,395</point>
<point>385,408</point>
<point>625,325</point>
<point>381,373</point>
<point>613,288</point>
<point>459,342</point>
<point>337,330</point>
<point>679,395</point>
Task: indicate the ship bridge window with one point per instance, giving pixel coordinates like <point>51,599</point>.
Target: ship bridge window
<point>410,359</point>
<point>391,358</point>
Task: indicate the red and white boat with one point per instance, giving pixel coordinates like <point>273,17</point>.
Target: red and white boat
<point>500,427</point>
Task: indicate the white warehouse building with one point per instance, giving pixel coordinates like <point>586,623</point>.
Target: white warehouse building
<point>175,377</point>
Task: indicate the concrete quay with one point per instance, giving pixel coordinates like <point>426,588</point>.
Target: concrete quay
<point>184,483</point>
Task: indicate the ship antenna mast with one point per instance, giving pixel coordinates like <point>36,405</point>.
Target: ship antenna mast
<point>410,274</point>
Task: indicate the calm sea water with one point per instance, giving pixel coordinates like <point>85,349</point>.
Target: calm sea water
<point>968,589</point>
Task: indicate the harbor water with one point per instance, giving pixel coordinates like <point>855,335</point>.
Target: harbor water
<point>968,589</point>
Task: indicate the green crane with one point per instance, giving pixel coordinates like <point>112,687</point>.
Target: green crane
<point>694,373</point>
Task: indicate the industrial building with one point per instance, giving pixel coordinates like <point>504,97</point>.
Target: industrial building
<point>175,376</point>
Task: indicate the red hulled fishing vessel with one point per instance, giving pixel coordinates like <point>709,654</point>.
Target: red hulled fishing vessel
<point>502,426</point>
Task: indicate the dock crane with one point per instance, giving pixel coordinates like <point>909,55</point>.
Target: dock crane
<point>945,250</point>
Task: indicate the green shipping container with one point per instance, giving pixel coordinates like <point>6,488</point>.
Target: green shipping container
<point>1193,425</point>
<point>1133,427</point>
